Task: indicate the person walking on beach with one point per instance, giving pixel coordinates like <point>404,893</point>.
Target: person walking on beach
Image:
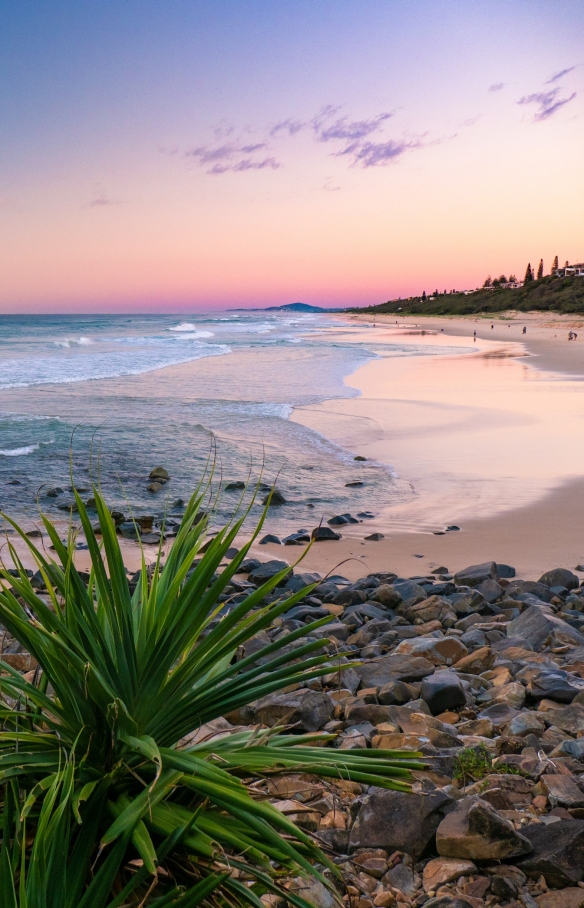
<point>524,330</point>
<point>475,337</point>
<point>570,335</point>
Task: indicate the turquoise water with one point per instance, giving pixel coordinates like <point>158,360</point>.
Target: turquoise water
<point>128,393</point>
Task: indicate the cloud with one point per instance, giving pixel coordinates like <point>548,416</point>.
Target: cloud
<point>245,164</point>
<point>562,72</point>
<point>101,200</point>
<point>291,127</point>
<point>376,154</point>
<point>497,86</point>
<point>351,130</point>
<point>547,102</point>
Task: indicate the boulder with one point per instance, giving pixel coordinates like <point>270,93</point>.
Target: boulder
<point>379,672</point>
<point>398,821</point>
<point>468,603</point>
<point>322,534</point>
<point>396,693</point>
<point>477,662</point>
<point>270,538</point>
<point>266,571</point>
<point>274,498</point>
<point>439,871</point>
<point>560,577</point>
<point>505,571</point>
<point>538,624</point>
<point>159,474</point>
<point>442,691</point>
<point>562,791</point>
<point>309,709</point>
<point>558,852</point>
<point>437,650</point>
<point>555,685</point>
<point>387,595</point>
<point>433,608</point>
<point>569,719</point>
<point>155,486</point>
<point>565,898</point>
<point>476,831</point>
<point>476,573</point>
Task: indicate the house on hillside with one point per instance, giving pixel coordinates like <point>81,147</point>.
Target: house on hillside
<point>576,270</point>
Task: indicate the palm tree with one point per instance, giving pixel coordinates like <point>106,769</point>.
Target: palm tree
<point>103,804</point>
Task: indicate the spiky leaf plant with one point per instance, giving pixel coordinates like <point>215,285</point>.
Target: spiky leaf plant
<point>102,806</point>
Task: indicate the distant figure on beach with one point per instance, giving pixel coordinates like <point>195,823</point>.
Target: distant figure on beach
<point>524,330</point>
<point>475,337</point>
<point>492,326</point>
<point>570,335</point>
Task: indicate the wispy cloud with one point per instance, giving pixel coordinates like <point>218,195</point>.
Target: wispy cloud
<point>562,72</point>
<point>101,200</point>
<point>547,102</point>
<point>349,138</point>
<point>497,86</point>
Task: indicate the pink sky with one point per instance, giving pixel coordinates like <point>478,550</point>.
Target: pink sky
<point>175,156</point>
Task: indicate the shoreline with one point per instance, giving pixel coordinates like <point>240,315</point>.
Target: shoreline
<point>538,527</point>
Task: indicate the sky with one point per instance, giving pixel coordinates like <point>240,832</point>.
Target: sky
<point>189,155</point>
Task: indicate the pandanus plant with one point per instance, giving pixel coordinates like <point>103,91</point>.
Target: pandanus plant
<point>103,803</point>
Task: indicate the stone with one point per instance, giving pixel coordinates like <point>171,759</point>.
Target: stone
<point>154,486</point>
<point>513,694</point>
<point>267,571</point>
<point>439,871</point>
<point>476,573</point>
<point>476,831</point>
<point>555,685</point>
<point>505,572</point>
<point>159,474</point>
<point>274,498</point>
<point>308,709</point>
<point>560,577</point>
<point>234,486</point>
<point>395,693</point>
<point>490,590</point>
<point>322,534</point>
<point>433,608</point>
<point>558,853</point>
<point>525,724</point>
<point>477,662</point>
<point>450,901</point>
<point>570,718</point>
<point>437,650</point>
<point>313,891</point>
<point>537,624</point>
<point>129,530</point>
<point>387,595</point>
<point>565,898</point>
<point>409,589</point>
<point>562,791</point>
<point>442,691</point>
<point>22,662</point>
<point>270,538</point>
<point>468,603</point>
<point>498,714</point>
<point>397,820</point>
<point>375,537</point>
<point>379,672</point>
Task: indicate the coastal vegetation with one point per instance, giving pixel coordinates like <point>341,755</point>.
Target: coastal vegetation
<point>551,293</point>
<point>115,789</point>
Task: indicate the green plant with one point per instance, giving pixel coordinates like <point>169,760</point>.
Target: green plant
<point>102,807</point>
<point>472,763</point>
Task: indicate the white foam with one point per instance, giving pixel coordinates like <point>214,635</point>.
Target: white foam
<point>184,326</point>
<point>19,452</point>
<point>195,335</point>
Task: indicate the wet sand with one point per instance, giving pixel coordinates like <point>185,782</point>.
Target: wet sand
<point>490,441</point>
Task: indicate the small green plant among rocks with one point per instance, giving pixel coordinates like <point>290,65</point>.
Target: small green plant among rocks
<point>473,763</point>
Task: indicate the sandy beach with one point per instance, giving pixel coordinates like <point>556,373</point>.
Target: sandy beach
<point>490,441</point>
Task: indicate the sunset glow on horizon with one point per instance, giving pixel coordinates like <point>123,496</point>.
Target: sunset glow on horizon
<point>167,155</point>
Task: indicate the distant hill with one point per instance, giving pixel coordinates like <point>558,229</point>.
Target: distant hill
<point>299,307</point>
<point>553,294</point>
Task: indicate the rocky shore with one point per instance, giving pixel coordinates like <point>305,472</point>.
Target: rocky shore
<point>480,672</point>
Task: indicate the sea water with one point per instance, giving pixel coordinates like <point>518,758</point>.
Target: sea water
<point>105,399</point>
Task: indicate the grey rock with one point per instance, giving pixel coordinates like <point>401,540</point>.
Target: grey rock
<point>274,498</point>
<point>476,831</point>
<point>505,572</point>
<point>538,624</point>
<point>468,603</point>
<point>308,709</point>
<point>442,691</point>
<point>560,577</point>
<point>322,534</point>
<point>490,590</point>
<point>476,573</point>
<point>396,820</point>
<point>379,672</point>
<point>266,571</point>
<point>396,693</point>
<point>555,685</point>
<point>558,853</point>
<point>387,595</point>
<point>270,538</point>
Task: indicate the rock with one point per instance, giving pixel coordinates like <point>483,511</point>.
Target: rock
<point>154,486</point>
<point>481,660</point>
<point>437,650</point>
<point>558,853</point>
<point>490,590</point>
<point>387,595</point>
<point>341,519</point>
<point>354,483</point>
<point>270,538</point>
<point>395,693</point>
<point>308,709</point>
<point>560,577</point>
<point>313,891</point>
<point>476,573</point>
<point>366,515</point>
<point>409,589</point>
<point>321,534</point>
<point>178,504</point>
<point>233,486</point>
<point>435,608</point>
<point>476,831</point>
<point>267,571</point>
<point>439,871</point>
<point>22,662</point>
<point>129,530</point>
<point>379,672</point>
<point>565,898</point>
<point>398,821</point>
<point>537,624</point>
<point>555,685</point>
<point>570,719</point>
<point>350,597</point>
<point>505,572</point>
<point>296,539</point>
<point>159,474</point>
<point>447,901</point>
<point>525,724</point>
<point>359,457</point>
<point>468,603</point>
<point>54,492</point>
<point>375,537</point>
<point>274,498</point>
<point>562,791</point>
<point>442,691</point>
<point>512,694</point>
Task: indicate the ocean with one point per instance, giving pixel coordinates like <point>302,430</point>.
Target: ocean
<point>105,399</point>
